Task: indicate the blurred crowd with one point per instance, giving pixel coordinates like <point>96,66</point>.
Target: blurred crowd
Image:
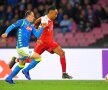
<point>73,15</point>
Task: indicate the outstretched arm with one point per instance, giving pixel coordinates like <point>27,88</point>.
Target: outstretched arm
<point>11,27</point>
<point>37,32</point>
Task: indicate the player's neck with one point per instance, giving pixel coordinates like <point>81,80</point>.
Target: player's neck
<point>48,16</point>
<point>27,19</point>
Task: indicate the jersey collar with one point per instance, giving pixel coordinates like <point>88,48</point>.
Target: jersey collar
<point>27,21</point>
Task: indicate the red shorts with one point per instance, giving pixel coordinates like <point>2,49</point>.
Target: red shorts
<point>40,48</point>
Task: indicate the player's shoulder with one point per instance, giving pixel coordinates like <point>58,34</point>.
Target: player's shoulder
<point>25,21</point>
<point>41,17</point>
<point>45,17</point>
<point>20,19</point>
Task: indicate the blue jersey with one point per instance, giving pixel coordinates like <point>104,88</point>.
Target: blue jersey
<point>25,28</point>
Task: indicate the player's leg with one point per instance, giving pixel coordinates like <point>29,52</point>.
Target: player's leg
<point>55,48</point>
<point>36,58</point>
<point>39,48</point>
<point>15,60</point>
<point>58,50</point>
<point>15,71</point>
<point>12,62</point>
<point>23,55</point>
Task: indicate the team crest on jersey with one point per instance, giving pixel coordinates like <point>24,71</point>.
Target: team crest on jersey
<point>29,28</point>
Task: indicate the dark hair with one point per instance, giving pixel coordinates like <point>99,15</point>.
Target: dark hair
<point>52,8</point>
<point>27,13</point>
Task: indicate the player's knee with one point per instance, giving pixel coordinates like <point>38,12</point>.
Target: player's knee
<point>62,53</point>
<point>21,65</point>
<point>24,58</point>
<point>38,59</point>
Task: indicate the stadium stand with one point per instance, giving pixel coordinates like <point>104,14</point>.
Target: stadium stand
<point>86,21</point>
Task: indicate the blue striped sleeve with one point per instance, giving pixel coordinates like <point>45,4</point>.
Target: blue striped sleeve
<point>14,25</point>
<point>37,33</point>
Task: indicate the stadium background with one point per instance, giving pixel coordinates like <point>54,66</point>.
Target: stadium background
<point>80,24</point>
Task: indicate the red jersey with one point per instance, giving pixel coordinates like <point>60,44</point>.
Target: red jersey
<point>47,34</point>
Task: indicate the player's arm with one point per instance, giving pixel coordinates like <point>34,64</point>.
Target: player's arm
<point>37,22</point>
<point>37,32</point>
<point>43,21</point>
<point>11,27</point>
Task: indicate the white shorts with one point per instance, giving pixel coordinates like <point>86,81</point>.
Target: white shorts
<point>24,52</point>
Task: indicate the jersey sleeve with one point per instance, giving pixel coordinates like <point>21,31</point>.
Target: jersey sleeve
<point>36,32</point>
<point>44,20</point>
<point>14,25</point>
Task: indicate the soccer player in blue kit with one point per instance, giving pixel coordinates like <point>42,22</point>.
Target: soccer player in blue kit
<point>24,30</point>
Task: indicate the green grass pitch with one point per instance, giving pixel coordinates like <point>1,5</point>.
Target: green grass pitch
<point>55,85</point>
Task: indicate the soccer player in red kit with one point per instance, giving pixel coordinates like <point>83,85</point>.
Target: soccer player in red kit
<point>46,42</point>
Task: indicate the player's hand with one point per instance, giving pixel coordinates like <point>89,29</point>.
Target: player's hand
<point>4,35</point>
<point>44,25</point>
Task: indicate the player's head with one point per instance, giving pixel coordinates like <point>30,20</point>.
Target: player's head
<point>29,15</point>
<point>52,12</point>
